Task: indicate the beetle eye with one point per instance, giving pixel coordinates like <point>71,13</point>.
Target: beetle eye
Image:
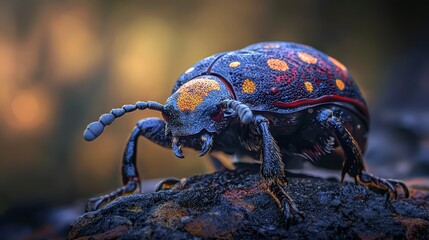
<point>218,115</point>
<point>165,116</point>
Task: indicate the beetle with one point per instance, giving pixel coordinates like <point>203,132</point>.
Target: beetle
<point>270,101</point>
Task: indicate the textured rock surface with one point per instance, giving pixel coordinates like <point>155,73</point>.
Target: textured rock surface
<point>234,204</point>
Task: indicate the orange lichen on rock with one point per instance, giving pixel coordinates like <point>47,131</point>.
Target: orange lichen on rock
<point>168,214</point>
<point>277,64</point>
<point>192,93</point>
<point>215,224</point>
<point>236,196</point>
<point>413,226</point>
<point>135,209</point>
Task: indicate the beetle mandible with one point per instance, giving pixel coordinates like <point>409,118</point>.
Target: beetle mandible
<point>271,101</point>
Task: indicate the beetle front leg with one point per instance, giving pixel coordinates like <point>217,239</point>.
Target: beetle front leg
<point>354,164</point>
<point>154,130</point>
<point>272,170</point>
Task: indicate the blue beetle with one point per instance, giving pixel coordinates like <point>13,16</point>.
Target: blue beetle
<point>270,101</point>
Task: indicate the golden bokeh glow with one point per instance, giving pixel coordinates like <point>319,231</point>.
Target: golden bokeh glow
<point>30,110</point>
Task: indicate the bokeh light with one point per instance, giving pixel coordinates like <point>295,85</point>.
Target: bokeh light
<point>29,110</point>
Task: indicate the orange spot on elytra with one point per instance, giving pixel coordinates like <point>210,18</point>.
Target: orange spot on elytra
<point>340,84</point>
<point>268,46</point>
<point>192,93</point>
<point>234,64</point>
<point>248,86</point>
<point>305,57</point>
<point>337,63</point>
<point>189,70</point>
<point>277,64</point>
<point>309,86</point>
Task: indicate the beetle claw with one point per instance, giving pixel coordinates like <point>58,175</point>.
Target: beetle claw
<point>177,148</point>
<point>389,185</point>
<point>206,144</point>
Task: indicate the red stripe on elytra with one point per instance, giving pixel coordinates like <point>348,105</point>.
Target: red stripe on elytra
<point>227,84</point>
<point>329,98</point>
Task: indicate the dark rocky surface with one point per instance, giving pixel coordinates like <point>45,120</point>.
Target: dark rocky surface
<point>235,205</point>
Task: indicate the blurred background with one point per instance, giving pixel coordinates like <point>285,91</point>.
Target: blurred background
<point>63,63</point>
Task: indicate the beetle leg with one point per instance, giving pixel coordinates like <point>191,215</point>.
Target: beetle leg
<point>177,148</point>
<point>154,130</point>
<point>94,203</point>
<point>272,170</point>
<point>354,164</point>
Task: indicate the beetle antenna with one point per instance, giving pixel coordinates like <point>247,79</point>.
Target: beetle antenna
<point>243,111</point>
<point>94,129</point>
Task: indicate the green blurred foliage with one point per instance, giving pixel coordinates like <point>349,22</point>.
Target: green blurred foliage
<point>63,63</point>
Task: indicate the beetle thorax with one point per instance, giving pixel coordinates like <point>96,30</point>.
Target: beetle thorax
<point>192,93</point>
<point>194,107</point>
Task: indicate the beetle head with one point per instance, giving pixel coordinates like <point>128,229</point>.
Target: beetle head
<point>197,111</point>
<point>194,112</point>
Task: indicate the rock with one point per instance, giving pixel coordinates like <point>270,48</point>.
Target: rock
<point>235,204</point>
